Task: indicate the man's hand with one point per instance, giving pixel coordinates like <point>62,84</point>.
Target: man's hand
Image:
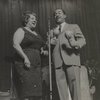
<point>54,41</point>
<point>69,34</point>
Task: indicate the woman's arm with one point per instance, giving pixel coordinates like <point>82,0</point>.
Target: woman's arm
<point>17,39</point>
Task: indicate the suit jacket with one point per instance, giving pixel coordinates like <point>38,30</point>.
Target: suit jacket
<point>67,49</point>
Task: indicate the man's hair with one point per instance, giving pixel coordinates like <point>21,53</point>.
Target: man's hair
<point>26,16</point>
<point>60,9</point>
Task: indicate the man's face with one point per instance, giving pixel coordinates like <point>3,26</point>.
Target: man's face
<point>59,16</point>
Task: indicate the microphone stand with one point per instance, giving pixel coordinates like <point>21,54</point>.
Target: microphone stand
<point>50,68</point>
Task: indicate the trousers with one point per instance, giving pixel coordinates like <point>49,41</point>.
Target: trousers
<point>68,82</point>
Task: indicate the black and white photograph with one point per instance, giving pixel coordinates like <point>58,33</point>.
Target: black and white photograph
<point>49,49</point>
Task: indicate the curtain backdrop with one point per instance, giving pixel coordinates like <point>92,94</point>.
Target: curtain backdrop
<point>85,13</point>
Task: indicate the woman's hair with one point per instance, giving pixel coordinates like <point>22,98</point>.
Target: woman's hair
<point>26,16</point>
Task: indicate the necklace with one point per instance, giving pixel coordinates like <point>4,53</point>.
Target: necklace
<point>32,32</point>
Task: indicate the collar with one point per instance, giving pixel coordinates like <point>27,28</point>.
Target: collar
<point>62,25</point>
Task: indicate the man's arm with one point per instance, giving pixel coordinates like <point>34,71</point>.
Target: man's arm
<point>76,39</point>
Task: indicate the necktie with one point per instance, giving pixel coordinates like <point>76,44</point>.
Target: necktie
<point>60,28</point>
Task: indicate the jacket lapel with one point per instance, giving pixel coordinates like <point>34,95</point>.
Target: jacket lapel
<point>66,26</point>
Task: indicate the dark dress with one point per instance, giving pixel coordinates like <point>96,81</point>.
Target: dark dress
<point>28,82</point>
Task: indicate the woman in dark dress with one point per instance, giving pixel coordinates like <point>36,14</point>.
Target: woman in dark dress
<point>27,63</point>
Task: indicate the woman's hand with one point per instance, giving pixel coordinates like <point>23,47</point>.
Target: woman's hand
<point>27,62</point>
<point>44,52</point>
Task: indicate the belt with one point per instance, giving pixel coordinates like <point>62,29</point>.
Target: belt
<point>58,68</point>
<point>66,66</point>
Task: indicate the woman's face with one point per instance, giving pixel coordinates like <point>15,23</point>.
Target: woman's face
<point>32,21</point>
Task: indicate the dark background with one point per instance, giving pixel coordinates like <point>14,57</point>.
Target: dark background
<point>85,13</point>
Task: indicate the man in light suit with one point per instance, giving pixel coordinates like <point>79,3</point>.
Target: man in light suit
<point>68,40</point>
